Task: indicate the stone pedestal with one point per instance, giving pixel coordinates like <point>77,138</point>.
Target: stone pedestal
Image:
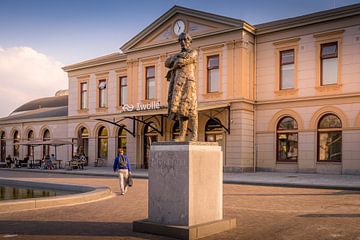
<point>185,191</point>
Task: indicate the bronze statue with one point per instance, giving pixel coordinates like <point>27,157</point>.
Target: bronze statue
<point>182,98</point>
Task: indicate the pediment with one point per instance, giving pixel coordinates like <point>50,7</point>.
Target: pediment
<point>197,23</point>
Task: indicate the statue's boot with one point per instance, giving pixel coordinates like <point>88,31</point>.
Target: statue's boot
<point>183,129</point>
<point>194,124</point>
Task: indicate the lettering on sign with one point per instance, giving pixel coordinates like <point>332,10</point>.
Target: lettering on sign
<point>141,107</point>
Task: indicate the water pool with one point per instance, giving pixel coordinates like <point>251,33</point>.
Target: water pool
<point>16,192</point>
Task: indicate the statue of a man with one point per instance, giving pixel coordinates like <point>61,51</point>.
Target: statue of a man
<point>182,98</point>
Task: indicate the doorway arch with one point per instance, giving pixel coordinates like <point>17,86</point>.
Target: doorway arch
<point>150,136</point>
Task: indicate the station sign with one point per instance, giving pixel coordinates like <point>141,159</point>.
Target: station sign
<point>141,106</point>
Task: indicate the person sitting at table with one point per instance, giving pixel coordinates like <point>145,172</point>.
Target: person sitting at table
<point>9,161</point>
<point>47,163</point>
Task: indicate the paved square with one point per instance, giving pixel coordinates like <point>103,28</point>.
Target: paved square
<point>261,212</point>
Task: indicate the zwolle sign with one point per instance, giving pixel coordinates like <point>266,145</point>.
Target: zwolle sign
<point>141,107</point>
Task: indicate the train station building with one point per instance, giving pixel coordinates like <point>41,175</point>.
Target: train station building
<point>278,96</point>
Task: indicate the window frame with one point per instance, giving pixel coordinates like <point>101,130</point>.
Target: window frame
<point>82,100</point>
<point>323,38</point>
<point>282,64</point>
<point>46,148</point>
<point>99,138</point>
<point>121,86</point>
<point>322,46</point>
<point>328,130</point>
<point>16,145</point>
<point>121,134</point>
<point>208,73</point>
<point>30,149</point>
<point>281,46</point>
<point>102,91</point>
<point>147,78</point>
<point>287,132</point>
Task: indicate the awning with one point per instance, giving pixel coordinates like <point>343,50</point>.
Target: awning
<point>133,115</point>
<point>52,142</point>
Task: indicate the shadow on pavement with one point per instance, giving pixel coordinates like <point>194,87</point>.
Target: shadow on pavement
<point>60,228</point>
<point>334,192</point>
<point>331,215</point>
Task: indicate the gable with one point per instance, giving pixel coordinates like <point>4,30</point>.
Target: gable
<point>197,24</point>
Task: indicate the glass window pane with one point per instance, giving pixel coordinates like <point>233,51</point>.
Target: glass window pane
<point>84,100</point>
<point>287,76</point>
<point>287,147</point>
<point>123,81</point>
<point>103,132</point>
<point>329,50</point>
<point>330,121</point>
<point>102,98</point>
<point>330,146</point>
<point>123,95</point>
<point>213,80</point>
<point>84,133</point>
<point>287,123</point>
<point>213,125</point>
<point>102,84</point>
<point>84,87</point>
<point>103,146</point>
<point>329,71</point>
<point>150,72</point>
<point>213,62</point>
<point>287,57</point>
<point>151,88</point>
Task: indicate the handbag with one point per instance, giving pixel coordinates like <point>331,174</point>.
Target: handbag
<point>130,181</point>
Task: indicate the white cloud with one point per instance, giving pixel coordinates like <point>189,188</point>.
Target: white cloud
<point>25,75</point>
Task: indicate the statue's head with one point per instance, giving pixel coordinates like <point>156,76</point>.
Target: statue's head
<point>185,40</point>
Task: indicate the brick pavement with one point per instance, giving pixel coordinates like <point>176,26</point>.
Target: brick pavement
<point>261,212</point>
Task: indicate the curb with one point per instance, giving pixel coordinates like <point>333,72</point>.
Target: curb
<point>86,194</point>
<point>225,181</point>
<point>293,185</point>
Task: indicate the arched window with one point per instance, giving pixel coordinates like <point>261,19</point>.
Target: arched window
<point>2,146</point>
<point>176,130</point>
<point>16,141</point>
<point>30,137</point>
<point>287,140</point>
<point>122,139</point>
<point>329,138</point>
<point>102,143</point>
<point>83,142</point>
<point>213,131</point>
<point>82,147</point>
<point>46,148</point>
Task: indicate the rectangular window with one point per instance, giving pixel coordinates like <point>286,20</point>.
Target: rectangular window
<point>330,146</point>
<point>123,91</point>
<point>83,95</point>
<point>329,63</point>
<point>150,82</point>
<point>102,94</point>
<point>213,74</point>
<point>287,69</point>
<point>287,144</point>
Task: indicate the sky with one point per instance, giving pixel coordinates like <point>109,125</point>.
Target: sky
<point>38,37</point>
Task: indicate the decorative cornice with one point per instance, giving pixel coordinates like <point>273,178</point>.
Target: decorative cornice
<point>107,59</point>
<point>286,41</point>
<point>304,20</point>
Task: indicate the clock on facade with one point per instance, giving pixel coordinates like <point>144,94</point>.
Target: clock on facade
<point>179,27</point>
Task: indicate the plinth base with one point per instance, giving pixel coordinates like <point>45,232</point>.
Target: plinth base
<point>185,232</point>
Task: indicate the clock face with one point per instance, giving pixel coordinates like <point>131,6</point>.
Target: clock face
<point>179,27</point>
